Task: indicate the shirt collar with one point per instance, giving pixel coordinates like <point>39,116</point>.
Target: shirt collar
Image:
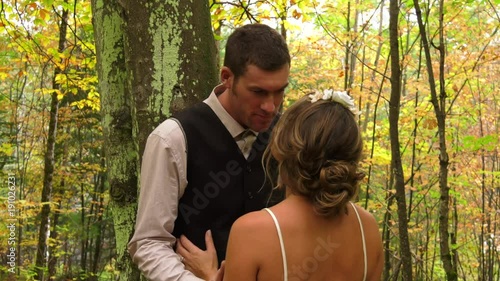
<point>234,128</point>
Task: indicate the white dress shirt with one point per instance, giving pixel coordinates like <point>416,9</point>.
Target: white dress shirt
<point>163,181</point>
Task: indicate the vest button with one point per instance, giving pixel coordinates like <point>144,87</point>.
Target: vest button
<point>249,169</point>
<point>250,195</point>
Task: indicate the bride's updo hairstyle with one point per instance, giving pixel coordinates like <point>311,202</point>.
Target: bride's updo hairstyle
<point>317,145</point>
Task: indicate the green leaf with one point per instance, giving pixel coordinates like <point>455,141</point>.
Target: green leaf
<point>473,143</point>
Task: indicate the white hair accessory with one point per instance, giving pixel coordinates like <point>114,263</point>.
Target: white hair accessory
<point>337,96</point>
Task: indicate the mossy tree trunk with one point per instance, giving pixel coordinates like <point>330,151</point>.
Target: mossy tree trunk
<point>154,58</point>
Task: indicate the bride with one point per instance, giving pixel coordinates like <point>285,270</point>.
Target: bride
<point>317,232</point>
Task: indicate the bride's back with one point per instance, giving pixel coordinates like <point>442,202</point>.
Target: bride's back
<point>318,248</point>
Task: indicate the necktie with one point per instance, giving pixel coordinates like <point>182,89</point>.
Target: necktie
<point>247,140</point>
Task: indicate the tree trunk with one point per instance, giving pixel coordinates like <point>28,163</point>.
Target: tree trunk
<point>439,104</point>
<point>41,255</point>
<point>396,165</point>
<point>354,39</point>
<point>174,66</point>
<point>386,236</point>
<point>120,149</point>
<point>49,162</point>
<point>98,212</point>
<point>347,47</point>
<point>54,235</point>
<point>154,58</point>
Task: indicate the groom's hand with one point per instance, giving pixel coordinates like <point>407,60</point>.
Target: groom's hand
<point>220,272</point>
<point>203,264</point>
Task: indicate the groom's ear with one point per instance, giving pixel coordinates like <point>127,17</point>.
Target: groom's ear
<point>226,77</point>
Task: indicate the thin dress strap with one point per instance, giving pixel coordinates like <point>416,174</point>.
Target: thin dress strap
<point>364,242</point>
<point>282,245</point>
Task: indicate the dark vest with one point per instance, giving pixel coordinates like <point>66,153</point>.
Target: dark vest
<point>222,184</point>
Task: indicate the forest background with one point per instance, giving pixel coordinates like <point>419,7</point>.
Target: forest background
<point>82,84</point>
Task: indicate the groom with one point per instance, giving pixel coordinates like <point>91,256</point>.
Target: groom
<point>201,169</point>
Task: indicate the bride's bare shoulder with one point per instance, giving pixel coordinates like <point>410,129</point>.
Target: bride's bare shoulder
<point>254,219</point>
<point>254,224</point>
<point>366,216</point>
